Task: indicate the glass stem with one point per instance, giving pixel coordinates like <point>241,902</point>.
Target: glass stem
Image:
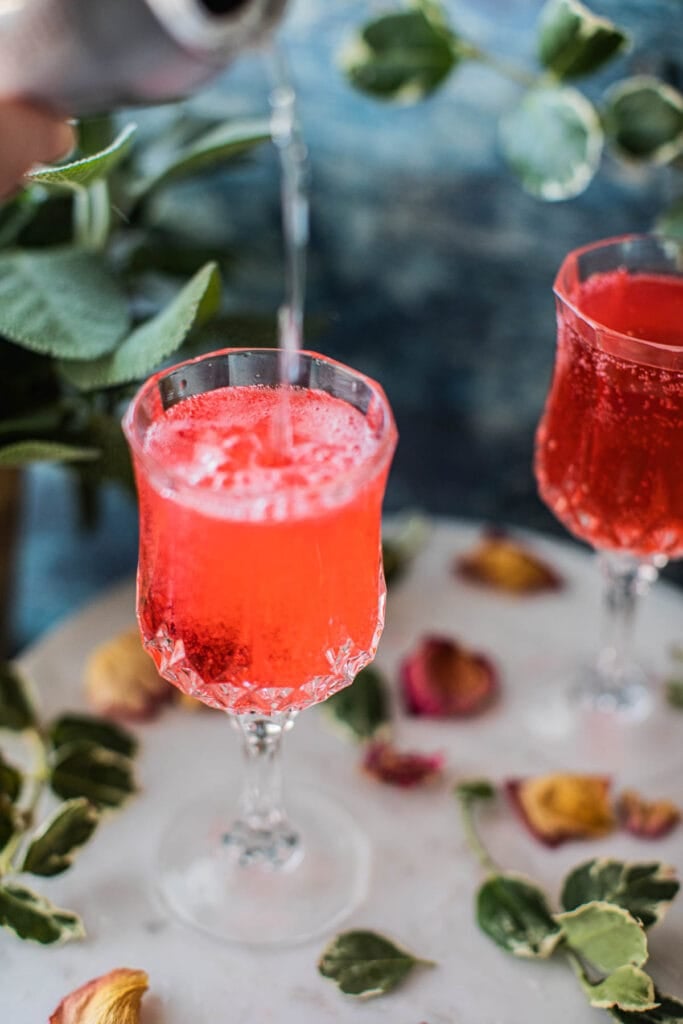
<point>626,579</point>
<point>262,834</point>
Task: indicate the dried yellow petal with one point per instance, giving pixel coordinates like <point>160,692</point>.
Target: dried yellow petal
<point>564,806</point>
<point>501,562</point>
<point>650,819</point>
<point>122,681</point>
<point>113,998</point>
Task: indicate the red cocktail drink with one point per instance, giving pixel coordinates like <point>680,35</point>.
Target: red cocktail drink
<point>609,448</point>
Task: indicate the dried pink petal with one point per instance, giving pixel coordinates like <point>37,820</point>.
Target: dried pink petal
<point>649,819</point>
<point>121,680</point>
<point>443,679</point>
<point>398,768</point>
<point>113,998</point>
<point>503,563</point>
<point>559,807</point>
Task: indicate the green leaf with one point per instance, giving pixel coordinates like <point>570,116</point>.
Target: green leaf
<point>81,173</point>
<point>674,687</point>
<point>16,708</point>
<point>669,1011</point>
<point>643,117</point>
<point>33,917</point>
<point>8,821</point>
<point>61,302</point>
<point>362,708</point>
<point>644,890</point>
<point>11,780</point>
<point>400,547</point>
<point>153,341</point>
<point>86,729</point>
<point>224,142</point>
<point>53,847</point>
<point>604,935</point>
<point>553,142</point>
<point>102,776</point>
<point>402,56</point>
<point>515,914</point>
<point>365,964</point>
<point>628,988</point>
<point>572,41</point>
<point>472,790</point>
<point>22,453</point>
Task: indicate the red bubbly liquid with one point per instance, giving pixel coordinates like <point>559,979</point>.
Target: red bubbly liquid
<point>260,586</point>
<point>609,448</point>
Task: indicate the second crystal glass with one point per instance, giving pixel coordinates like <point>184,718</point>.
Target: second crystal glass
<point>260,592</point>
<point>609,448</point>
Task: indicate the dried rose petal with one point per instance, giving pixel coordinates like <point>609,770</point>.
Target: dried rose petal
<point>501,562</point>
<point>398,768</point>
<point>556,808</point>
<point>114,997</point>
<point>121,680</point>
<point>443,679</point>
<point>649,819</point>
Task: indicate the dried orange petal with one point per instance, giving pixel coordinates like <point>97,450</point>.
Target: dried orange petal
<point>559,807</point>
<point>398,768</point>
<point>113,998</point>
<point>501,562</point>
<point>443,679</point>
<point>121,680</point>
<point>649,819</point>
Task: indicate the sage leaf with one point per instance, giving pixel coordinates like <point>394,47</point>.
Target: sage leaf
<point>362,708</point>
<point>472,790</point>
<point>674,687</point>
<point>365,964</point>
<point>643,117</point>
<point>80,173</point>
<point>61,302</point>
<point>628,988</point>
<point>16,708</point>
<point>53,847</point>
<point>401,56</point>
<point>604,935</point>
<point>153,341</point>
<point>572,41</point>
<point>644,890</point>
<point>221,143</point>
<point>33,917</point>
<point>553,142</point>
<point>23,453</point>
<point>8,821</point>
<point>669,1011</point>
<point>515,914</point>
<point>401,546</point>
<point>102,776</point>
<point>11,780</point>
<point>98,731</point>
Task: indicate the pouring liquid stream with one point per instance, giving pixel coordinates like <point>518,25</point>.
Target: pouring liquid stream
<point>286,135</point>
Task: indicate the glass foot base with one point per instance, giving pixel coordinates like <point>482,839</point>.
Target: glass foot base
<point>630,698</point>
<point>206,882</point>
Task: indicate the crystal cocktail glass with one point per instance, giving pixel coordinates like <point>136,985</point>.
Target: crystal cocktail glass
<point>261,592</point>
<point>609,447</point>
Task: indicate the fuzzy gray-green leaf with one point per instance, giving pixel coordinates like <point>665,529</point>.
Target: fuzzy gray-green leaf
<point>61,302</point>
<point>23,453</point>
<point>604,935</point>
<point>401,56</point>
<point>102,776</point>
<point>16,707</point>
<point>154,340</point>
<point>365,964</point>
<point>515,914</point>
<point>572,41</point>
<point>645,890</point>
<point>87,729</point>
<point>644,119</point>
<point>81,173</point>
<point>54,845</point>
<point>31,916</point>
<point>362,708</point>
<point>553,142</point>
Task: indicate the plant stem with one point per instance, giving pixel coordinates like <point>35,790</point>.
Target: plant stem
<point>37,778</point>
<point>472,836</point>
<point>92,216</point>
<point>468,51</point>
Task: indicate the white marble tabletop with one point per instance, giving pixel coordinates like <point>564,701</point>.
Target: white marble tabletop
<point>424,878</point>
